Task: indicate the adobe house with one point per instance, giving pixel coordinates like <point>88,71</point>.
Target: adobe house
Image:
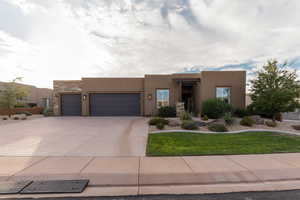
<point>41,97</point>
<point>143,96</point>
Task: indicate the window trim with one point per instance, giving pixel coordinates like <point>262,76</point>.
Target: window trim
<point>156,89</point>
<point>230,93</point>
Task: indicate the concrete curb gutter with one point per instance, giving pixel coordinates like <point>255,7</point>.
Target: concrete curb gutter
<point>113,191</point>
<point>230,132</point>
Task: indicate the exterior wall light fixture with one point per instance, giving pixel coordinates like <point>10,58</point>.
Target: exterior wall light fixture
<point>149,97</point>
<point>84,97</point>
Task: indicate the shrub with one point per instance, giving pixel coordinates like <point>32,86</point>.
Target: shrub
<point>240,112</point>
<point>31,105</point>
<point>158,120</point>
<point>229,120</point>
<point>185,116</point>
<point>296,127</point>
<point>20,105</point>
<point>215,108</point>
<point>278,117</point>
<point>16,118</point>
<point>5,118</point>
<point>167,111</point>
<point>160,126</point>
<point>247,121</point>
<point>217,127</point>
<point>48,112</point>
<point>205,118</point>
<point>189,125</point>
<point>271,123</point>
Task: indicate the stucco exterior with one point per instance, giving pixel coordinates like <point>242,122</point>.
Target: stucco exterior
<point>35,95</point>
<point>203,86</point>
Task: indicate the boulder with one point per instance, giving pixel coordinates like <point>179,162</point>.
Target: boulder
<point>173,123</point>
<point>257,119</point>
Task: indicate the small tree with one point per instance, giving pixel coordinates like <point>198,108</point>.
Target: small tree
<point>12,94</point>
<point>275,90</point>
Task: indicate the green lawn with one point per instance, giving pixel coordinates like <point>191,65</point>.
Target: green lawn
<point>184,144</point>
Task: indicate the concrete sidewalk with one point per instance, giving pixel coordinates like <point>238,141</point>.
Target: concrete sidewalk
<point>156,175</point>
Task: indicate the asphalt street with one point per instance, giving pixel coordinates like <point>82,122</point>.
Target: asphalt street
<point>280,195</point>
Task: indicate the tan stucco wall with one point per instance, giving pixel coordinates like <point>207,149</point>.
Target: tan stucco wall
<point>204,89</point>
<point>153,82</point>
<point>234,79</point>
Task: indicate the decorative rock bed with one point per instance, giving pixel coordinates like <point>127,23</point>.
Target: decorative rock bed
<point>285,126</point>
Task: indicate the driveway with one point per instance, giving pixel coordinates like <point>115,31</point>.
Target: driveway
<point>75,136</point>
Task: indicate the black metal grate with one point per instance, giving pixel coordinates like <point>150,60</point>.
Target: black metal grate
<point>13,187</point>
<point>56,186</point>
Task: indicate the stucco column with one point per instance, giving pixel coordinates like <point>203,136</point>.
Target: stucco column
<point>179,91</point>
<point>85,104</point>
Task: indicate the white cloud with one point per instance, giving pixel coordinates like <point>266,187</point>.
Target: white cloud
<point>68,39</point>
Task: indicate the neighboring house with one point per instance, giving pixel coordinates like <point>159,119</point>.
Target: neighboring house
<point>143,96</point>
<point>41,97</point>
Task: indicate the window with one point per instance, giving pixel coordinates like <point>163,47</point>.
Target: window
<point>223,93</point>
<point>162,97</point>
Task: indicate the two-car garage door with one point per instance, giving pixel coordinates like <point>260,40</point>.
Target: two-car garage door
<point>115,104</point>
<point>103,104</point>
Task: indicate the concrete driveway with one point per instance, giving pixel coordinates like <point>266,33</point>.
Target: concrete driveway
<point>75,136</point>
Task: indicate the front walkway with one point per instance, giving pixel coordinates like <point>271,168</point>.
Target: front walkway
<point>156,175</point>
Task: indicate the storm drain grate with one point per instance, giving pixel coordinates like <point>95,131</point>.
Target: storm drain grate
<point>13,187</point>
<point>55,186</point>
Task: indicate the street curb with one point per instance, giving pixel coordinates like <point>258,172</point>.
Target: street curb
<point>230,132</point>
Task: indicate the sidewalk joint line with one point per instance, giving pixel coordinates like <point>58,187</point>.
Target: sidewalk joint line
<point>87,164</point>
<point>138,181</point>
<point>227,157</point>
<point>34,163</point>
<point>187,164</point>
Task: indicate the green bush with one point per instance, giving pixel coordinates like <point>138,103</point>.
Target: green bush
<point>189,125</point>
<point>247,121</point>
<point>215,108</point>
<point>160,126</point>
<point>48,112</point>
<point>167,111</point>
<point>278,117</point>
<point>217,127</point>
<point>271,123</point>
<point>158,120</point>
<point>229,120</point>
<point>205,118</point>
<point>240,112</point>
<point>21,105</point>
<point>185,116</point>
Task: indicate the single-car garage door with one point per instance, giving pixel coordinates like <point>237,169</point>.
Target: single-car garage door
<point>71,104</point>
<point>119,104</point>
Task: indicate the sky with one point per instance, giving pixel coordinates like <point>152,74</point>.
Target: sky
<point>46,40</point>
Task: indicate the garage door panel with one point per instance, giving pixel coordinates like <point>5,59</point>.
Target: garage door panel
<point>115,104</point>
<point>71,104</point>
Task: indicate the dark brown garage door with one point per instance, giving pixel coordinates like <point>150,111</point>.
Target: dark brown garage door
<point>71,104</point>
<point>115,104</point>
